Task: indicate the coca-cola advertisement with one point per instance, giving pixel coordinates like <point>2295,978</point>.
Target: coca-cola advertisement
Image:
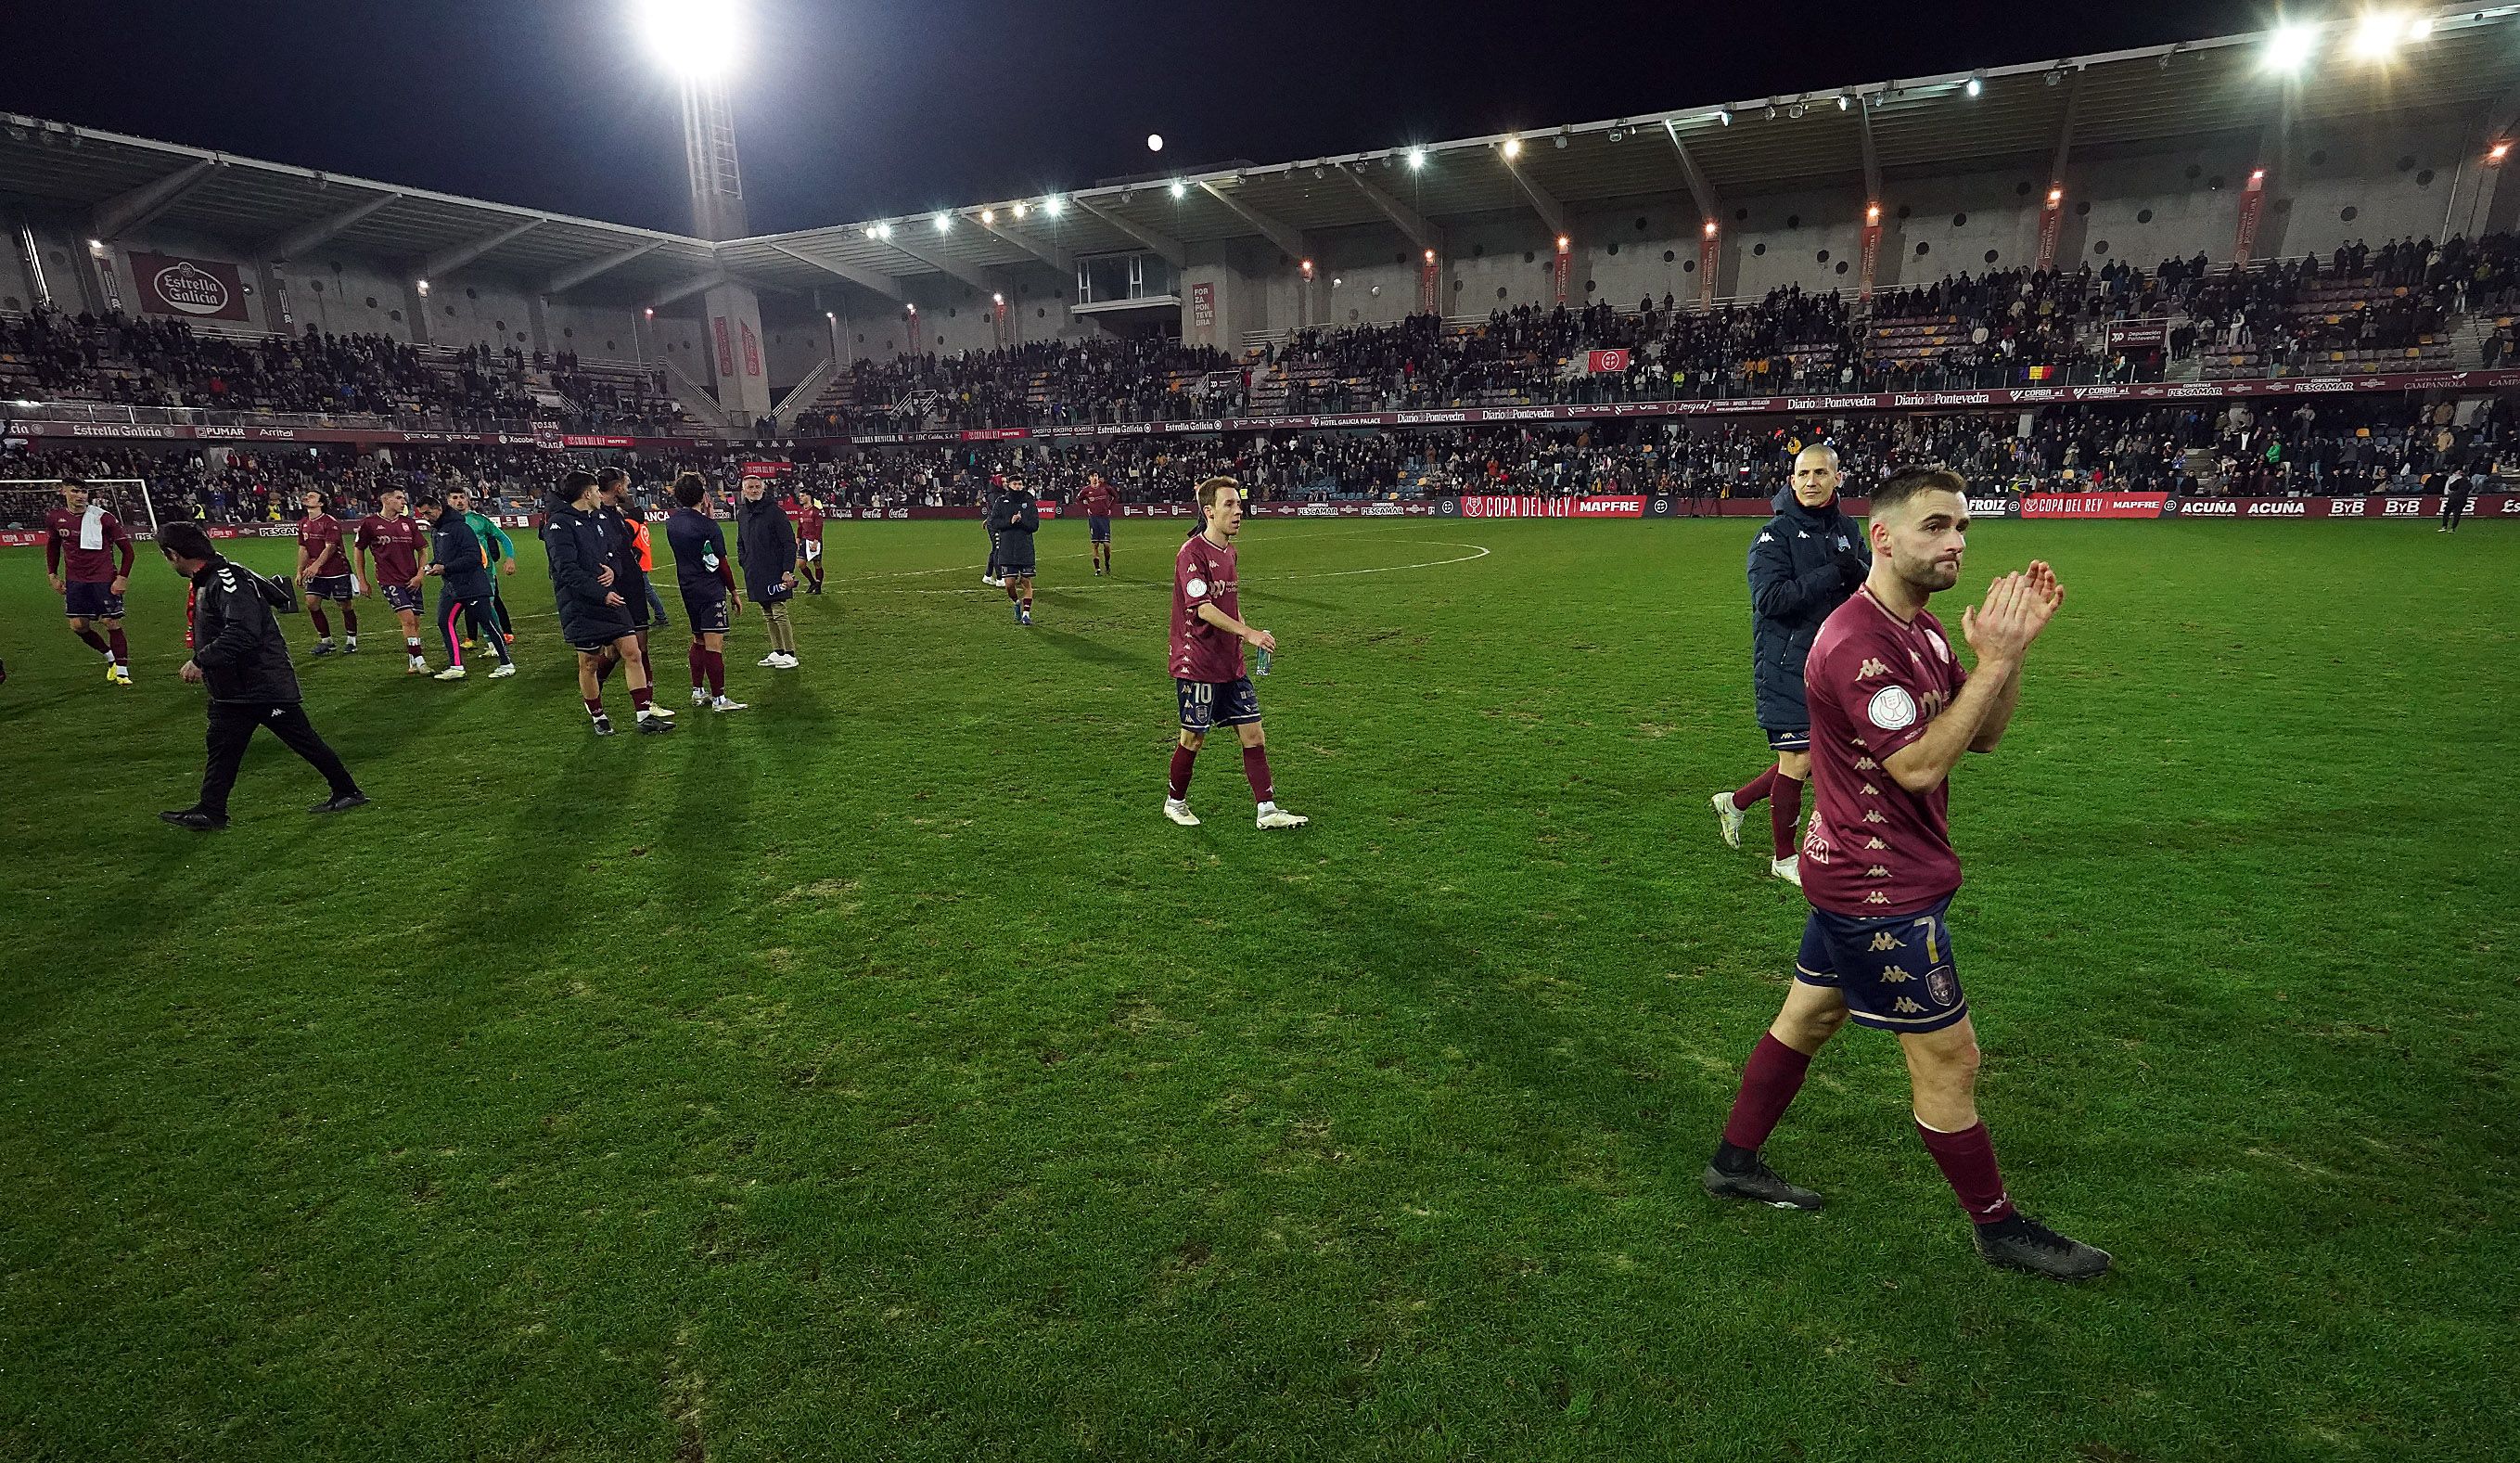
<point>199,288</point>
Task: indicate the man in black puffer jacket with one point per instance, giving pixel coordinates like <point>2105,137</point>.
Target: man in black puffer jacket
<point>244,661</point>
<point>593,611</point>
<point>1810,559</point>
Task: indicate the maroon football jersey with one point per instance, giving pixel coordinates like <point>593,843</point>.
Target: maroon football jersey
<point>1871,682</point>
<point>1098,500</point>
<point>87,566</point>
<point>1204,575</point>
<point>320,537</point>
<point>395,542</point>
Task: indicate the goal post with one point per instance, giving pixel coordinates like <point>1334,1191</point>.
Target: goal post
<point>24,501</point>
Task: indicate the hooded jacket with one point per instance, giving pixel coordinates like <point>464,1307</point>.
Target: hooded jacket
<point>1796,579</point>
<point>577,547</point>
<point>766,542</point>
<point>243,656</point>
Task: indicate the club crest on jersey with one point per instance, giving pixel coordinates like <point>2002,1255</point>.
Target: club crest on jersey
<point>1891,709</point>
<point>1197,588</point>
<point>1941,987</point>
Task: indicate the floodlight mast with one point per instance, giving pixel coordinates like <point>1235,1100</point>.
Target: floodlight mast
<point>698,41</point>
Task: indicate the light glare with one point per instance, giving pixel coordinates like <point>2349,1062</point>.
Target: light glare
<point>700,39</point>
<point>1417,157</point>
<point>2289,49</point>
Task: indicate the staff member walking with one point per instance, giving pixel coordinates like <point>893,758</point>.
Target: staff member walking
<point>244,661</point>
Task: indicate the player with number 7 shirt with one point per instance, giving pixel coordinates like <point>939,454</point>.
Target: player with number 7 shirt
<point>1892,709</point>
<point>1209,680</point>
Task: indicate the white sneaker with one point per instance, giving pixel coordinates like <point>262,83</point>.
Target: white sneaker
<point>1178,812</point>
<point>770,660</point>
<point>700,697</point>
<point>505,669</point>
<point>1728,820</point>
<point>659,708</point>
<point>726,703</point>
<point>1789,868</point>
<point>1274,816</point>
<point>785,663</point>
<point>451,673</point>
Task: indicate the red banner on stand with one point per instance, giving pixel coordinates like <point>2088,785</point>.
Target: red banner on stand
<point>201,288</point>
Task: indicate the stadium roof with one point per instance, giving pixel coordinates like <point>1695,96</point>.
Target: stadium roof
<point>1863,135</point>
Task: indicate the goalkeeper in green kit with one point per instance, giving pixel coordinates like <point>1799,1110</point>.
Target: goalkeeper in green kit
<point>495,542</point>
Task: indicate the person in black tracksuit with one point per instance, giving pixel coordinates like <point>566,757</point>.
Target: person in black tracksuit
<point>240,656</point>
<point>615,505</point>
<point>593,611</point>
<point>766,542</point>
<point>2455,490</point>
<point>1807,561</point>
<point>462,566</point>
<point>989,491</point>
<point>1014,518</point>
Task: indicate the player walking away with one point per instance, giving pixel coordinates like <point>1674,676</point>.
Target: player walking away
<point>2454,500</point>
<point>495,542</point>
<point>87,555</point>
<point>461,566</point>
<point>1803,565</point>
<point>593,611</point>
<point>394,540</point>
<point>242,657</point>
<point>766,543</point>
<point>323,573</point>
<point>807,519</point>
<point>1891,712</point>
<point>708,584</point>
<point>1016,518</point>
<point>628,549</point>
<point>993,577</point>
<point>1100,503</point>
<point>1208,677</point>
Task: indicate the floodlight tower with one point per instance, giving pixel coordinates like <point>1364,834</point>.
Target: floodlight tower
<point>699,41</point>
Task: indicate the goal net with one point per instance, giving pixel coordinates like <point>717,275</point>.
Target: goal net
<point>24,501</point>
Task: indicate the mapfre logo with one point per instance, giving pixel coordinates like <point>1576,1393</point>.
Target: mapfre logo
<point>186,286</point>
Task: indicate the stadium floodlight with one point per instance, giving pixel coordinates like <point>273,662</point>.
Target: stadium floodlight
<point>1842,102</point>
<point>1563,242</point>
<point>883,230</point>
<point>1154,142</point>
<point>1023,209</point>
<point>996,298</point>
<point>2290,48</point>
<point>831,314</point>
<point>2055,196</point>
<point>870,231</point>
<point>1513,147</point>
<point>1054,206</point>
<point>423,287</point>
<point>2419,29</point>
<point>1417,158</point>
<point>2377,33</point>
<point>1710,228</point>
<point>651,312</point>
<point>1308,268</point>
<point>2498,152</point>
<point>988,215</point>
<point>1180,188</point>
<point>944,222</point>
<point>697,39</point>
<point>1871,213</point>
<point>1976,82</point>
<point>1430,257</point>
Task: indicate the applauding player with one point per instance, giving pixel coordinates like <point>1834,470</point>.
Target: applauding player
<point>323,573</point>
<point>1208,676</point>
<point>1015,518</point>
<point>395,541</point>
<point>1099,503</point>
<point>1891,712</point>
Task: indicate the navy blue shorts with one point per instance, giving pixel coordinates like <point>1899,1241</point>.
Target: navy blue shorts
<point>329,587</point>
<point>1098,530</point>
<point>403,598</point>
<point>1207,705</point>
<point>88,601</point>
<point>706,616</point>
<point>1788,739</point>
<point>1897,971</point>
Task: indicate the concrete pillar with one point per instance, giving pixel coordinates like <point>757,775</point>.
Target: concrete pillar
<point>736,348</point>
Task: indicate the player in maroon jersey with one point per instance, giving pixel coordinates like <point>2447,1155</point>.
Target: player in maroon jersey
<point>395,541</point>
<point>1891,713</point>
<point>1207,657</point>
<point>87,556</point>
<point>324,574</point>
<point>1099,503</point>
<point>807,515</point>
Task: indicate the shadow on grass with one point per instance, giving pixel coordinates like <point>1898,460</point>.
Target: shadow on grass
<point>1081,648</point>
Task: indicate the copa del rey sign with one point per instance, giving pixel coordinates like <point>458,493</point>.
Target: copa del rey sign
<point>201,288</point>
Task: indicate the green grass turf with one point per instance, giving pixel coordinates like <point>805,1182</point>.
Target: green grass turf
<point>875,1074</point>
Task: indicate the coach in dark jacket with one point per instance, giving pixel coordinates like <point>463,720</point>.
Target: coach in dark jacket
<point>766,542</point>
<point>1805,563</point>
<point>244,661</point>
<point>577,546</point>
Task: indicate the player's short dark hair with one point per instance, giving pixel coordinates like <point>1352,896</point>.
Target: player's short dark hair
<point>182,540</point>
<point>611,476</point>
<point>426,500</point>
<point>689,490</point>
<point>1208,491</point>
<point>73,481</point>
<point>1907,483</point>
<point>574,484</point>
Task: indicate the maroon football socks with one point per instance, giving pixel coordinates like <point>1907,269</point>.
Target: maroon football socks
<point>1785,810</point>
<point>1967,1161</point>
<point>1183,760</point>
<point>1756,791</point>
<point>1769,1081</point>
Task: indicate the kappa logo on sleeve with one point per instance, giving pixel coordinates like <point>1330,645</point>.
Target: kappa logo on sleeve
<point>1870,667</point>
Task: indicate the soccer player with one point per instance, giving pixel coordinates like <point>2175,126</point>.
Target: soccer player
<point>1015,518</point>
<point>1891,713</point>
<point>394,540</point>
<point>1208,678</point>
<point>766,543</point>
<point>495,542</point>
<point>631,556</point>
<point>807,519</point>
<point>707,582</point>
<point>594,613</point>
<point>323,573</point>
<point>87,556</point>
<point>243,659</point>
<point>1803,565</point>
<point>1100,503</point>
<point>461,567</point>
<point>2453,499</point>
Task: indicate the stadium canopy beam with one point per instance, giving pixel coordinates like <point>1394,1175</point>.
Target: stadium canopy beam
<point>1163,244</point>
<point>2503,115</point>
<point>1872,157</point>
<point>1289,241</point>
<point>2065,127</point>
<point>455,256</point>
<point>1708,204</point>
<point>690,287</point>
<point>1407,219</point>
<point>283,247</point>
<point>1549,210</point>
<point>885,285</point>
<point>132,209</point>
<point>943,265</point>
<point>1049,253</point>
<point>577,274</point>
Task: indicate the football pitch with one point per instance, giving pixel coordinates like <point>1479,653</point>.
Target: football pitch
<point>874,1073</point>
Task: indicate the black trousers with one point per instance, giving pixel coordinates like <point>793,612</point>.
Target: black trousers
<point>232,725</point>
<point>2453,509</point>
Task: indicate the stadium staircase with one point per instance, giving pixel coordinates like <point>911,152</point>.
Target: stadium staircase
<point>807,389</point>
<point>696,399</point>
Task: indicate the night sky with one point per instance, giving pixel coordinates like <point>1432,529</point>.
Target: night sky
<point>851,109</point>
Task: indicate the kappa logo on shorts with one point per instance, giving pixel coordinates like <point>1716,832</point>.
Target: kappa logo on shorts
<point>1907,1007</point>
<point>1874,844</point>
<point>1885,940</point>
<point>1942,988</point>
<point>1894,974</point>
